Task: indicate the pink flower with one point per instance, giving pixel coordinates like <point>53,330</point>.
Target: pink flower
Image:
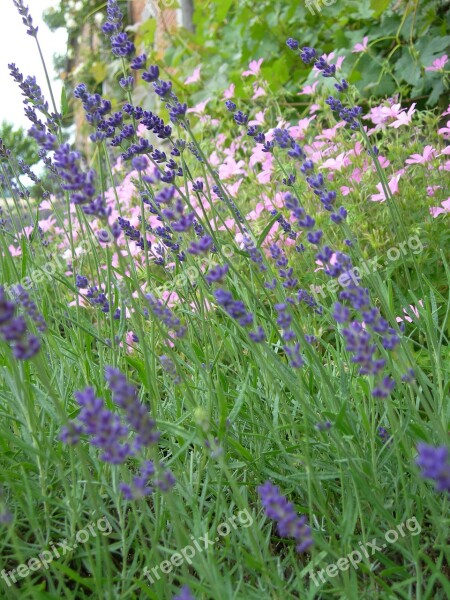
<point>336,164</point>
<point>361,47</point>
<point>45,205</point>
<point>256,213</point>
<point>431,189</point>
<point>330,134</point>
<point>437,210</point>
<point>445,131</point>
<point>447,112</point>
<point>404,118</point>
<point>264,176</point>
<point>308,90</point>
<point>393,186</point>
<point>233,189</point>
<point>414,310</point>
<point>229,92</point>
<point>421,159</point>
<point>259,118</point>
<point>194,77</point>
<point>258,91</point>
<point>254,68</point>
<point>15,251</point>
<point>438,64</point>
<point>297,131</point>
<point>198,109</point>
<point>230,167</point>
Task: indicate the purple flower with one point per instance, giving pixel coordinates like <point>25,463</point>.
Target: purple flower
<point>240,118</point>
<point>169,367</point>
<point>140,163</point>
<point>323,426</point>
<point>103,426</point>
<point>13,329</point>
<point>26,17</point>
<point>231,106</point>
<point>152,74</point>
<point>384,435</point>
<point>166,316</point>
<point>385,387</point>
<point>162,88</point>
<point>307,54</point>
<point>202,246</point>
<point>137,415</point>
<point>81,281</point>
<point>138,62</point>
<point>121,45</point>
<point>185,594</point>
<point>434,463</point>
<point>216,274</point>
<point>71,433</point>
<point>293,44</point>
<point>126,83</point>
<point>257,336</point>
<point>289,524</point>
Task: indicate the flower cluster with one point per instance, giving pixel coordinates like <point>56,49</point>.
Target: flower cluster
<point>166,316</point>
<point>289,524</point>
<point>121,46</point>
<point>26,17</point>
<point>236,310</point>
<point>119,441</point>
<point>13,328</point>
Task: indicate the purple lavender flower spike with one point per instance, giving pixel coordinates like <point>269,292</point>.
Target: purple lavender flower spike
<point>125,395</point>
<point>289,524</point>
<point>434,463</point>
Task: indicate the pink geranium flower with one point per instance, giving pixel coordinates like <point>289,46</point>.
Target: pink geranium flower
<point>198,109</point>
<point>361,47</point>
<point>413,309</point>
<point>254,68</point>
<point>421,159</point>
<point>437,210</point>
<point>404,118</point>
<point>229,92</point>
<point>297,131</point>
<point>431,189</point>
<point>308,90</point>
<point>258,91</point>
<point>230,167</point>
<point>338,163</point>
<point>194,77</point>
<point>259,118</point>
<point>438,64</point>
<point>445,131</point>
<point>393,186</point>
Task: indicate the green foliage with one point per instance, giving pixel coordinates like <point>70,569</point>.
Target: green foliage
<point>19,143</point>
<point>404,37</point>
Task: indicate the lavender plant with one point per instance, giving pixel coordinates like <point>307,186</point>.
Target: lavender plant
<point>249,387</point>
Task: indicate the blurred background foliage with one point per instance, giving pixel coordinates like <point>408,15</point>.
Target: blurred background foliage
<point>405,36</point>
